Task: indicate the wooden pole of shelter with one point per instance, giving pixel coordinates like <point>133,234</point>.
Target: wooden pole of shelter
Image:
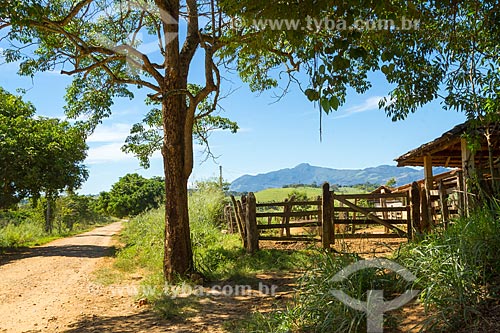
<point>415,207</point>
<point>251,224</point>
<point>424,212</point>
<point>409,228</point>
<point>428,181</point>
<point>327,214</point>
<point>461,193</point>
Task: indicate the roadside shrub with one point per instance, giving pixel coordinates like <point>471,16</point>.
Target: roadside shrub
<point>143,236</point>
<point>15,217</point>
<point>20,234</point>
<point>132,195</point>
<point>458,273</point>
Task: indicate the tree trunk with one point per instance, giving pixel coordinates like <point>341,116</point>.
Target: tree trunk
<point>178,259</point>
<point>48,215</point>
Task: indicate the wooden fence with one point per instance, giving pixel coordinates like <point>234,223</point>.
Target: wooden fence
<point>325,219</point>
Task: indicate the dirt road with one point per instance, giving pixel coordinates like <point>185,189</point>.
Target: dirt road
<point>52,288</point>
<point>46,288</point>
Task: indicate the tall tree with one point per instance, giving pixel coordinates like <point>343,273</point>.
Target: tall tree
<point>14,116</point>
<point>97,41</point>
<point>37,155</point>
<point>420,46</point>
<point>146,137</point>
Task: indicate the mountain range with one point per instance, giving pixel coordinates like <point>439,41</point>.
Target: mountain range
<point>307,174</point>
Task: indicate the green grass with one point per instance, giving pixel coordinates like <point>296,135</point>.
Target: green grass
<point>315,309</point>
<point>25,226</point>
<point>31,233</point>
<point>280,194</point>
<point>24,234</point>
<point>458,273</point>
<point>217,256</point>
<point>458,270</point>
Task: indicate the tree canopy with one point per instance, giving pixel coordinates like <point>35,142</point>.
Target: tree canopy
<point>37,155</point>
<point>132,195</point>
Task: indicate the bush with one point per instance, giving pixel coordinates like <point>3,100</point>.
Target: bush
<point>21,234</point>
<point>132,195</point>
<point>457,270</point>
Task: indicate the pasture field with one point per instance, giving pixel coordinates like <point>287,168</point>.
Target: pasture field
<point>280,194</point>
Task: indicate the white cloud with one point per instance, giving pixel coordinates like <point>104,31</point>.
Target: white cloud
<point>111,152</point>
<point>107,153</point>
<point>116,133</point>
<point>371,103</point>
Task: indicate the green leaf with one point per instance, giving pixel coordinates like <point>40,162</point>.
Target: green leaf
<point>386,56</point>
<point>325,105</point>
<point>334,103</point>
<point>312,94</point>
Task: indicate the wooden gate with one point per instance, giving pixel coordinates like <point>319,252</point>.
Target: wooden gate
<point>390,210</point>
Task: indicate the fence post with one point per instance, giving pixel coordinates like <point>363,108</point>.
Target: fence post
<point>415,208</point>
<point>238,213</point>
<point>287,210</point>
<point>319,230</point>
<point>286,218</point>
<point>354,216</point>
<point>326,219</point>
<point>385,215</point>
<point>251,224</point>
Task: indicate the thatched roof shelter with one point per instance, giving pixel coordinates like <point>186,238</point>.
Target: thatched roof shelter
<point>447,150</point>
<point>452,150</point>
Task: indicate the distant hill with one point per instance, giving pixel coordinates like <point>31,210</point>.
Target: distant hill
<point>308,174</point>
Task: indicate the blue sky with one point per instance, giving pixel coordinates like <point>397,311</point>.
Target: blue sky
<point>272,135</point>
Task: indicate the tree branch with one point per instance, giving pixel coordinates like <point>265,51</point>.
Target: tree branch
<point>79,6</point>
<point>192,39</point>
